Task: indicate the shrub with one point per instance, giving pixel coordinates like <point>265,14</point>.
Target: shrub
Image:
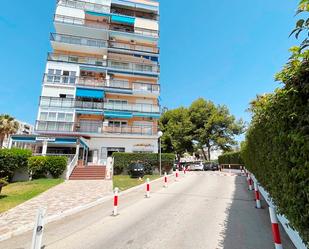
<point>231,158</point>
<point>3,183</point>
<point>12,159</point>
<point>151,160</point>
<point>56,165</point>
<point>277,145</point>
<point>37,166</point>
<point>40,166</point>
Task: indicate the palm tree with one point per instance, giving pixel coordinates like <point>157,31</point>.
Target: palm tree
<point>8,126</point>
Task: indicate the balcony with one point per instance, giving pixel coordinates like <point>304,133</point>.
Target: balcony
<point>57,102</point>
<point>89,104</point>
<point>54,126</point>
<point>111,64</point>
<point>137,88</point>
<point>98,127</point>
<point>102,28</point>
<point>146,108</point>
<point>78,43</point>
<point>84,5</point>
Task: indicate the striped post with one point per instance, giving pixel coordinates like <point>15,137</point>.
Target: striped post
<point>275,228</point>
<point>165,180</point>
<point>249,182</point>
<point>177,174</point>
<point>38,229</point>
<point>115,211</point>
<point>257,195</point>
<point>147,188</point>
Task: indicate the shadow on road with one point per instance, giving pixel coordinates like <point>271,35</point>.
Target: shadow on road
<point>245,226</point>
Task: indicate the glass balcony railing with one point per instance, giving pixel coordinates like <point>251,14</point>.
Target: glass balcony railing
<point>148,108</point>
<point>84,5</point>
<point>54,126</point>
<point>89,105</point>
<point>69,103</point>
<point>98,127</point>
<point>137,87</point>
<point>77,40</point>
<point>116,29</point>
<point>110,63</point>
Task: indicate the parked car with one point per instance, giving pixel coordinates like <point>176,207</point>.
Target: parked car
<point>136,170</point>
<point>197,166</point>
<point>211,166</point>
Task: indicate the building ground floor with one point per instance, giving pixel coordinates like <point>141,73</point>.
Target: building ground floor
<point>90,150</point>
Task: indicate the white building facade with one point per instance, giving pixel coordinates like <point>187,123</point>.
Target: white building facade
<point>101,82</point>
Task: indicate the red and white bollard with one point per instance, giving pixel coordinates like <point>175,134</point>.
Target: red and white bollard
<point>249,182</point>
<point>275,228</point>
<point>184,170</point>
<point>165,180</point>
<point>257,195</point>
<point>177,175</point>
<point>115,211</point>
<point>147,188</point>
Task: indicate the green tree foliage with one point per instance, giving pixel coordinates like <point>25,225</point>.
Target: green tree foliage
<point>302,25</point>
<point>8,126</point>
<point>231,158</point>
<point>177,131</point>
<point>277,142</point>
<point>213,126</point>
<point>11,160</point>
<point>122,160</point>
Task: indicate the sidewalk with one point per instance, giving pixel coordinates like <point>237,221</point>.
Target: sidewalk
<point>57,200</point>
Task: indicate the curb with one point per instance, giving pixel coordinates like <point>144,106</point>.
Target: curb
<point>72,211</point>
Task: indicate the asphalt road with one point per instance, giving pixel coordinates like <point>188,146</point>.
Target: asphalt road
<point>203,210</point>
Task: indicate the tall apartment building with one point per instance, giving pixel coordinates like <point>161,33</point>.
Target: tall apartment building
<point>101,83</point>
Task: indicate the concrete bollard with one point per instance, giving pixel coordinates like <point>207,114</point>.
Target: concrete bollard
<point>275,228</point>
<point>165,180</point>
<point>147,188</point>
<point>115,211</point>
<point>38,229</point>
<point>257,195</point>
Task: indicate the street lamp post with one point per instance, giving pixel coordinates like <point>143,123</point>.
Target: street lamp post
<point>160,134</point>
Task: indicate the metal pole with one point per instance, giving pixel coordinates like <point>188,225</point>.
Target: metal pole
<point>160,158</point>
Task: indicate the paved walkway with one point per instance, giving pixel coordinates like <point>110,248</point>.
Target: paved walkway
<point>61,198</point>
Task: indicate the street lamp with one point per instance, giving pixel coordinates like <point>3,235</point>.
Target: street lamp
<point>160,134</point>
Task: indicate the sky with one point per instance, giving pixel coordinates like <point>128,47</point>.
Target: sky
<point>225,51</point>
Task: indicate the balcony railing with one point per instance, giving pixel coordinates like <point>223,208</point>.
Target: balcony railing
<point>85,5</point>
<point>69,103</point>
<point>120,45</point>
<point>89,105</point>
<point>148,108</point>
<point>98,127</point>
<point>104,26</point>
<point>111,63</point>
<point>54,126</point>
<point>78,40</point>
<point>137,87</point>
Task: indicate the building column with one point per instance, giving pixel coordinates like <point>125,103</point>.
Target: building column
<point>44,149</point>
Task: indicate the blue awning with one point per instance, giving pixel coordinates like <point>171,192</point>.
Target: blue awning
<point>93,69</point>
<point>112,114</point>
<point>89,112</point>
<point>123,19</point>
<point>92,13</point>
<point>147,115</point>
<point>90,93</point>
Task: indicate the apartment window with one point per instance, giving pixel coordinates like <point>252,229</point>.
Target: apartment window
<point>117,101</point>
<point>52,116</point>
<point>61,116</point>
<point>43,115</point>
<point>116,123</point>
<point>73,59</point>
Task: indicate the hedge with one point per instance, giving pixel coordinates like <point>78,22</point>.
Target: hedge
<point>231,158</point>
<point>11,160</point>
<point>276,149</point>
<point>122,160</point>
<point>41,166</point>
